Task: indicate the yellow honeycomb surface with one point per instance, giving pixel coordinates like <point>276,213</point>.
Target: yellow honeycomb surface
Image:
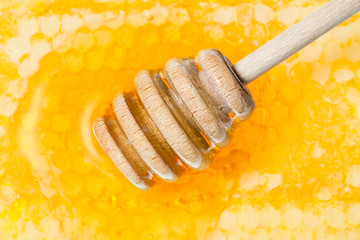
<point>291,172</point>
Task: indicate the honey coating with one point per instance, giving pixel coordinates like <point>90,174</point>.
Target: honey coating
<point>110,146</point>
<point>290,172</point>
<point>169,97</point>
<point>226,83</point>
<point>139,141</point>
<point>165,121</point>
<point>193,100</point>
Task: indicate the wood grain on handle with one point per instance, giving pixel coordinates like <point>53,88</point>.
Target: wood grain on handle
<point>295,38</point>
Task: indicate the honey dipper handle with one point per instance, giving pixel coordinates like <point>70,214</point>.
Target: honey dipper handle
<point>295,38</point>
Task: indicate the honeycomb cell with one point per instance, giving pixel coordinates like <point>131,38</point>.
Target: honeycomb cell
<point>292,218</point>
<point>343,75</point>
<point>159,15</point>
<point>83,41</point>
<point>179,16</point>
<point>333,52</point>
<point>28,67</point>
<point>250,217</point>
<point>288,16</point>
<point>249,180</point>
<point>325,194</point>
<point>93,20</point>
<point>227,221</point>
<point>116,57</point>
<point>103,37</point>
<point>136,19</point>
<point>353,214</point>
<point>28,27</point>
<point>270,181</point>
<point>73,61</point>
<point>311,220</point>
<point>39,50</point>
<point>334,218</point>
<point>114,20</point>
<point>311,53</point>
<point>269,217</point>
<point>342,34</point>
<point>224,16</point>
<point>61,42</point>
<point>321,73</point>
<point>93,60</point>
<point>353,176</point>
<point>354,234</point>
<point>50,25</point>
<point>352,51</point>
<point>17,47</point>
<point>17,88</point>
<point>263,13</point>
<point>71,23</point>
<point>51,227</point>
<point>125,36</point>
<point>150,38</point>
<point>216,33</point>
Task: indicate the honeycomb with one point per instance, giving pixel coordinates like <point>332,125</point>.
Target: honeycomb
<point>292,170</point>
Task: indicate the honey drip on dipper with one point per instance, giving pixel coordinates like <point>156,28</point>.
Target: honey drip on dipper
<point>178,117</point>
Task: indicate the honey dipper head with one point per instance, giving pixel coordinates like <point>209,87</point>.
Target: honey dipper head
<point>176,118</point>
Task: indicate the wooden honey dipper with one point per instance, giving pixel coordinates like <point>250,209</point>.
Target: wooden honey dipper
<point>185,113</point>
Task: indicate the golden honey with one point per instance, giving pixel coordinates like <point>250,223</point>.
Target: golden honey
<point>292,170</point>
<point>178,117</point>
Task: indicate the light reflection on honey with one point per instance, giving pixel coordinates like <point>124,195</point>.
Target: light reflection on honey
<point>293,169</point>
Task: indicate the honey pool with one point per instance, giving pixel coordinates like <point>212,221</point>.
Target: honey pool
<point>291,172</point>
